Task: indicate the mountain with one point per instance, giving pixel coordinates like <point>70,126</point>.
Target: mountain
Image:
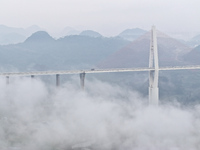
<point>13,35</point>
<point>132,34</point>
<point>5,29</point>
<point>42,52</point>
<point>136,54</point>
<point>193,56</point>
<point>39,37</point>
<point>90,33</point>
<point>11,38</point>
<point>195,41</point>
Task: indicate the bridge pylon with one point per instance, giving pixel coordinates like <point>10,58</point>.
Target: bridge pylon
<point>82,80</point>
<point>153,74</point>
<point>57,80</point>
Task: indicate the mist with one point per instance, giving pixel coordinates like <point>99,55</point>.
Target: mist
<point>34,116</point>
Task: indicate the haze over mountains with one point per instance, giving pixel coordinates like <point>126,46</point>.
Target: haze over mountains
<point>136,54</point>
<point>90,50</point>
<point>132,34</point>
<point>41,52</point>
<point>14,35</point>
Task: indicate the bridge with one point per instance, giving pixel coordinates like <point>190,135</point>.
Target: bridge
<point>153,70</point>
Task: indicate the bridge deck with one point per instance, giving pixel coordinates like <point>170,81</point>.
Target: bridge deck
<point>95,71</point>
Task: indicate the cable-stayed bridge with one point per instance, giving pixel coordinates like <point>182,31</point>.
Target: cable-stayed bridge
<point>153,70</point>
<point>35,73</point>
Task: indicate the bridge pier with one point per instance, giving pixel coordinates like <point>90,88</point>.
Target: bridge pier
<point>32,76</point>
<point>82,80</point>
<point>153,74</point>
<point>153,96</point>
<point>57,80</point>
<point>7,80</point>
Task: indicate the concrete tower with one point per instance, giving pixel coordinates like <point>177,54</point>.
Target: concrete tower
<point>153,74</point>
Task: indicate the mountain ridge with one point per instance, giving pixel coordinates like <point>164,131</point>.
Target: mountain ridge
<point>136,54</point>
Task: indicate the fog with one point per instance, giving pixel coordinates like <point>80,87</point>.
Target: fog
<point>104,116</point>
<point>107,17</point>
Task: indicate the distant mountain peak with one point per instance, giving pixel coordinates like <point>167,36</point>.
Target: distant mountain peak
<point>133,31</point>
<point>159,34</point>
<point>132,34</point>
<point>39,36</point>
<point>90,33</point>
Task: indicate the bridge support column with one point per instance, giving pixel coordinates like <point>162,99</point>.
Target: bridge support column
<point>82,80</point>
<point>7,79</point>
<point>153,74</point>
<point>32,76</point>
<point>57,80</point>
<point>153,96</point>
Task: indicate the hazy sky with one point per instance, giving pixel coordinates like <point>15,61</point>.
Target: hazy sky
<point>109,17</point>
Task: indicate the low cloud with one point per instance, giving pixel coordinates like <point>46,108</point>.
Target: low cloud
<point>36,117</point>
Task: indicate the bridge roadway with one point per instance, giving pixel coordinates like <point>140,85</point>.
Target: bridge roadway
<point>96,71</point>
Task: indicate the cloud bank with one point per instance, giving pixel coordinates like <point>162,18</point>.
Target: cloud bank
<point>36,117</point>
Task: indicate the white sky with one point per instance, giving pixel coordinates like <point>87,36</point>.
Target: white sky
<point>109,17</point>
